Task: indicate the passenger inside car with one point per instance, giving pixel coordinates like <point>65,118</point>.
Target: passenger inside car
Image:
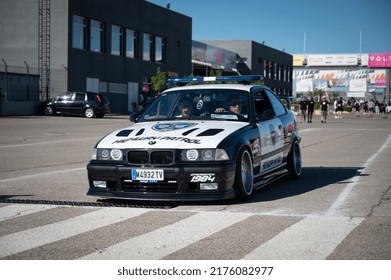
<point>184,107</point>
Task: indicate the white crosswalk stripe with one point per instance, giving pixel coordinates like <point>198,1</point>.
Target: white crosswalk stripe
<point>20,241</point>
<point>18,210</point>
<point>312,237</point>
<point>161,242</point>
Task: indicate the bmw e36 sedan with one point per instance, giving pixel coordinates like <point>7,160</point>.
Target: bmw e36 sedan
<point>199,142</point>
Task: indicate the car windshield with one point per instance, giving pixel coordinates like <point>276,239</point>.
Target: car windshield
<point>223,104</point>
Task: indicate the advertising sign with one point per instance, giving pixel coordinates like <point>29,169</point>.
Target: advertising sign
<point>333,60</point>
<point>379,60</point>
<point>330,60</point>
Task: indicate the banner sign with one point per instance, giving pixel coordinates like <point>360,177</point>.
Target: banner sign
<point>379,60</point>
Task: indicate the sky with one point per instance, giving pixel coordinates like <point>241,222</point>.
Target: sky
<point>293,26</point>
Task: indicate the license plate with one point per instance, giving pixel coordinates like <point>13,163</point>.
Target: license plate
<point>150,175</point>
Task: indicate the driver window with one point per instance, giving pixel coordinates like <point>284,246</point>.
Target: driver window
<point>261,104</point>
<point>278,106</point>
<point>79,96</point>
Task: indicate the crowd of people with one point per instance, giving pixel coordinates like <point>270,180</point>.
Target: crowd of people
<point>368,107</point>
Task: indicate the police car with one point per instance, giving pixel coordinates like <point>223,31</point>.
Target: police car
<point>199,142</point>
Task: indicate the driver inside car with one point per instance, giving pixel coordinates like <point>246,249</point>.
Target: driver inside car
<point>233,105</point>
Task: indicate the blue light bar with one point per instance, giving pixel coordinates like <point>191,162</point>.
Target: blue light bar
<point>215,79</point>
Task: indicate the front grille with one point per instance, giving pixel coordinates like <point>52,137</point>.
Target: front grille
<point>138,157</point>
<point>162,157</point>
<point>154,157</point>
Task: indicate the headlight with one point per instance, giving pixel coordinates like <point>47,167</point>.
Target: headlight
<point>204,155</point>
<point>116,154</point>
<point>107,154</point>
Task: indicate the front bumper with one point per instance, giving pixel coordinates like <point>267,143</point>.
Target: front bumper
<point>181,183</point>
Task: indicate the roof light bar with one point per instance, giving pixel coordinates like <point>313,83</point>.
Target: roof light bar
<point>215,79</point>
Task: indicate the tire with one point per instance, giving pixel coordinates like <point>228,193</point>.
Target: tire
<point>48,111</point>
<point>89,113</point>
<point>294,161</point>
<point>244,176</point>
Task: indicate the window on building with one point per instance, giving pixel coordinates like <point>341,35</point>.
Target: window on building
<point>79,32</point>
<point>131,43</point>
<point>96,36</point>
<point>160,49</point>
<point>147,47</point>
<point>116,40</point>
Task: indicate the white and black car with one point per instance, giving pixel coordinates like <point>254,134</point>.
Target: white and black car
<point>199,142</point>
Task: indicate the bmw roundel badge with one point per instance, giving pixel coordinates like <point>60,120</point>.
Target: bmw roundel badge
<point>164,127</point>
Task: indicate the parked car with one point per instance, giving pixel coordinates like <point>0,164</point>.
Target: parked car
<point>199,142</point>
<point>88,104</point>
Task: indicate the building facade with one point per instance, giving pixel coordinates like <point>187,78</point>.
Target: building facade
<point>254,58</point>
<point>113,47</point>
<point>49,47</point>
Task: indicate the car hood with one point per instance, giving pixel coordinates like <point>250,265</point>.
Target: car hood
<point>171,134</point>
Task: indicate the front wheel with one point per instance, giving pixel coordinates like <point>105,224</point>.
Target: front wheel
<point>48,111</point>
<point>294,161</point>
<point>89,113</point>
<point>244,176</point>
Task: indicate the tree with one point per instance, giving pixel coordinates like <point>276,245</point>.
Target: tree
<point>158,81</point>
<point>317,93</point>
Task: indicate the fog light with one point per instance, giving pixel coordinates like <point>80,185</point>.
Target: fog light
<point>208,186</point>
<point>99,184</point>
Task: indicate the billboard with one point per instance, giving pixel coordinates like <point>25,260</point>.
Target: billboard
<point>330,59</point>
<point>379,60</point>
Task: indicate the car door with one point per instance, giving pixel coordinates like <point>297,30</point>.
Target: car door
<point>271,132</point>
<point>63,103</point>
<point>78,103</point>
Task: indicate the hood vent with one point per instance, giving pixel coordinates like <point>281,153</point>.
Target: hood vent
<point>124,133</point>
<point>141,131</point>
<point>210,132</point>
<point>189,131</point>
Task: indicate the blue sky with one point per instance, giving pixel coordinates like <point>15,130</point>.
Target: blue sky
<point>330,26</point>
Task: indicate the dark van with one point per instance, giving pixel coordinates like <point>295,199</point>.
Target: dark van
<point>88,104</point>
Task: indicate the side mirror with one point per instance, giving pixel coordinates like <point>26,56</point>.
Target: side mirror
<point>133,117</point>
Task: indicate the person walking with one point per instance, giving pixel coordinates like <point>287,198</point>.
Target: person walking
<point>357,106</point>
<point>377,107</point>
<point>324,108</point>
<point>303,109</point>
<point>339,108</point>
<point>383,109</point>
<point>310,109</point>
<point>371,108</point>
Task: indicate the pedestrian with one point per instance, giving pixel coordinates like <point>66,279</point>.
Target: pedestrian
<point>339,108</point>
<point>310,110</point>
<point>371,108</point>
<point>383,110</point>
<point>324,108</point>
<point>335,108</point>
<point>357,106</point>
<point>377,107</point>
<point>303,109</point>
<point>365,107</point>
